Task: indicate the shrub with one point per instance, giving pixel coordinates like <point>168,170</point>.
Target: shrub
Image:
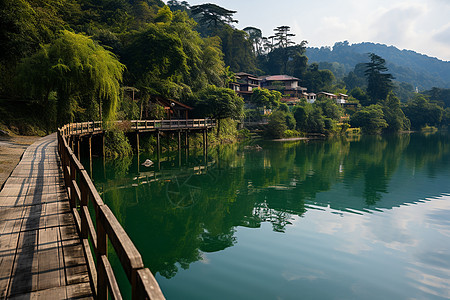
<point>244,133</point>
<point>116,143</point>
<point>277,125</point>
<point>291,133</point>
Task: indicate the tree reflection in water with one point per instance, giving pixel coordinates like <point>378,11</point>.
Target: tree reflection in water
<point>174,214</point>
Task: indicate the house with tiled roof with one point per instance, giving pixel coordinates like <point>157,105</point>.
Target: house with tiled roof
<point>287,85</point>
<point>245,84</point>
<point>339,98</point>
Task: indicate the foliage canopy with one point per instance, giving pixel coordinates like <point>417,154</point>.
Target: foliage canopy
<point>78,70</point>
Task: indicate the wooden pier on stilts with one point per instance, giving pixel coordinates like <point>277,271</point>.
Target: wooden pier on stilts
<point>49,245</point>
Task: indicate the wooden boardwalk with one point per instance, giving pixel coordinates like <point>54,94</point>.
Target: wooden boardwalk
<point>41,255</point>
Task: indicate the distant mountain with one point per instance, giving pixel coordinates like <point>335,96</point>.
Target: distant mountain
<point>417,69</point>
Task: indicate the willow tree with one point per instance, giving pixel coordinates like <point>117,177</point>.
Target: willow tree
<point>81,72</point>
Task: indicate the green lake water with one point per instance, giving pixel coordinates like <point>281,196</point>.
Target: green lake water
<point>367,218</point>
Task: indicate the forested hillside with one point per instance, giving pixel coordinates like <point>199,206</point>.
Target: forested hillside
<point>73,58</point>
<point>419,70</point>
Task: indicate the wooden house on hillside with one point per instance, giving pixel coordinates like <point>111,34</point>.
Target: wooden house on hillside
<point>245,84</point>
<point>174,109</point>
<point>342,98</point>
<point>287,85</point>
<point>339,98</point>
<point>327,95</point>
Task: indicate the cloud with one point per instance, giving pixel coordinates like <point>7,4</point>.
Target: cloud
<point>419,25</point>
<point>397,24</point>
<point>443,35</point>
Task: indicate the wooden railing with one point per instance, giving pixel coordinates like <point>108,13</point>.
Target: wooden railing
<point>173,124</point>
<point>83,193</point>
<point>97,126</point>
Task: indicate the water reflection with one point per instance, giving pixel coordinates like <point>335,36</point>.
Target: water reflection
<point>176,214</point>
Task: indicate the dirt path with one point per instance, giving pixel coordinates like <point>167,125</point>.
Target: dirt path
<point>11,149</point>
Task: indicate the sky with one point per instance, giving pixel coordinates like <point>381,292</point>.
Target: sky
<point>419,25</point>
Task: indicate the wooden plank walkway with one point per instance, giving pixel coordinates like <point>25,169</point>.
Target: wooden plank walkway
<point>41,256</point>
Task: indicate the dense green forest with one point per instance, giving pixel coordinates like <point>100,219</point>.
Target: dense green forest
<point>71,60</point>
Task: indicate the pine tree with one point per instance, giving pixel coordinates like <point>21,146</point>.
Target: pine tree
<point>379,82</point>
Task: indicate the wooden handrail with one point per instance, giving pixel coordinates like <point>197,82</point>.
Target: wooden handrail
<point>82,192</point>
<point>97,126</point>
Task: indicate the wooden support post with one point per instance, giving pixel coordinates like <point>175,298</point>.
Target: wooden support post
<point>179,148</point>
<point>204,141</point>
<point>187,145</point>
<point>137,150</point>
<point>204,147</point>
<point>103,145</point>
<point>78,147</point>
<point>158,145</point>
<point>137,142</point>
<point>90,154</point>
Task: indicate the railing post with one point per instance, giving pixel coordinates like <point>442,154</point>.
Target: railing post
<point>102,281</point>
<point>73,176</point>
<point>84,203</point>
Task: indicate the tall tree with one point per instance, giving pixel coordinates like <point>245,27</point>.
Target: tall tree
<point>219,103</point>
<point>170,58</point>
<point>266,98</point>
<point>290,60</point>
<point>255,37</point>
<point>283,37</point>
<point>212,15</point>
<point>316,80</point>
<point>394,115</point>
<point>178,5</point>
<point>237,50</point>
<point>379,82</point>
<point>356,78</point>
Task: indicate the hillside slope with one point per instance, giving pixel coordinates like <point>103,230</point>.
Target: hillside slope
<point>408,66</point>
